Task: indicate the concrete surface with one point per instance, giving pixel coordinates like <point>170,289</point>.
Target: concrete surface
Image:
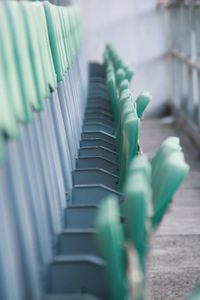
<point>174,262</point>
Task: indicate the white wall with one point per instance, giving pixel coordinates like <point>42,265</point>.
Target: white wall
<point>139,32</point>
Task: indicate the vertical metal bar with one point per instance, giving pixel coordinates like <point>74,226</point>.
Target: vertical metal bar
<point>197,37</point>
<point>172,23</point>
<point>176,62</point>
<point>184,68</point>
<point>188,51</point>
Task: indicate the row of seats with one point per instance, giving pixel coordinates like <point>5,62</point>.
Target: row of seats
<point>148,191</point>
<point>43,97</point>
<point>30,68</point>
<point>127,111</point>
<point>137,195</point>
<point>124,228</point>
<point>78,270</point>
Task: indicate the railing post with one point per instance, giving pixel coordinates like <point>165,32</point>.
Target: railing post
<point>197,37</point>
<point>175,62</point>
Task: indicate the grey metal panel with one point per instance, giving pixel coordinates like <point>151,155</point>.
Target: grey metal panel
<point>11,274</point>
<point>31,178</point>
<point>62,142</point>
<point>58,176</point>
<point>26,236</point>
<point>68,123</point>
<point>44,175</point>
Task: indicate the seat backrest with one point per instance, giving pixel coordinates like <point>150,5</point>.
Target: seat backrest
<point>195,294</point>
<point>120,76</point>
<point>123,85</point>
<point>55,38</point>
<point>44,44</point>
<point>8,121</point>
<point>34,52</point>
<point>137,206</point>
<point>170,145</point>
<point>166,182</point>
<point>22,57</point>
<point>141,164</point>
<point>12,83</point>
<point>111,241</point>
<point>142,102</point>
<point>129,142</point>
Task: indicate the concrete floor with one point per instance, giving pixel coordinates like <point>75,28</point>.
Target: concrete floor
<point>174,262</point>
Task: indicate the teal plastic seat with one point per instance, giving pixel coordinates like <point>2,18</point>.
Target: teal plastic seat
<point>195,294</point>
<point>111,241</point>
<point>55,34</point>
<point>142,102</point>
<point>129,73</point>
<point>137,213</point>
<point>170,145</point>
<point>127,132</point>
<point>113,95</point>
<point>169,177</point>
<point>22,57</point>
<point>123,85</point>
<point>141,164</point>
<point>63,37</point>
<point>129,143</point>
<point>8,122</point>
<point>126,108</point>
<point>120,76</point>
<point>125,94</point>
<point>10,67</point>
<point>73,13</point>
<point>44,45</point>
<point>34,53</point>
<point>9,108</point>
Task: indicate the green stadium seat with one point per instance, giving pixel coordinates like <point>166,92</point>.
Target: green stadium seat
<point>170,175</point>
<point>111,241</point>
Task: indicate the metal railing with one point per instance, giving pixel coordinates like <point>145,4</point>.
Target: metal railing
<point>185,53</point>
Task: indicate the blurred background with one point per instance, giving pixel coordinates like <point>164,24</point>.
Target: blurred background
<point>140,32</point>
